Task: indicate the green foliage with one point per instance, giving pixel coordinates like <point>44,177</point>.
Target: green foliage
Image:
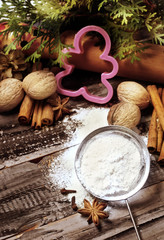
<point>158,33</point>
<point>128,18</point>
<point>122,19</point>
<point>156,28</point>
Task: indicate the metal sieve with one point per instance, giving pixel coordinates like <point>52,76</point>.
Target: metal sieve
<point>127,133</point>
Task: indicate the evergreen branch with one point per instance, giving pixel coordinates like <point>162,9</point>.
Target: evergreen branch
<point>11,46</point>
<point>130,51</point>
<point>58,49</point>
<point>29,44</point>
<point>102,4</point>
<point>158,34</point>
<point>33,57</point>
<point>120,18</point>
<point>123,12</point>
<point>149,20</point>
<point>159,38</point>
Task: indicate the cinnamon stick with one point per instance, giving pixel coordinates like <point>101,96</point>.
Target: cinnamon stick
<point>155,133</point>
<point>161,156</point>
<point>157,103</point>
<point>152,133</point>
<point>159,128</point>
<point>26,110</point>
<point>47,114</point>
<point>27,106</point>
<point>159,136</point>
<point>37,114</point>
<point>34,117</point>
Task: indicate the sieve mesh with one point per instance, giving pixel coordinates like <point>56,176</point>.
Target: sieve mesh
<point>131,136</point>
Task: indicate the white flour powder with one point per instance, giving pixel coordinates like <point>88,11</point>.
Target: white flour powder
<point>62,173</point>
<point>117,171</point>
<point>110,165</point>
<point>89,120</point>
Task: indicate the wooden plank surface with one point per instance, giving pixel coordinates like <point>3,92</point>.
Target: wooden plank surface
<point>21,143</point>
<point>146,212</point>
<point>27,200</point>
<point>32,207</point>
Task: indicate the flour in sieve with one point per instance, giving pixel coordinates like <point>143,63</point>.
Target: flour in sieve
<point>110,165</point>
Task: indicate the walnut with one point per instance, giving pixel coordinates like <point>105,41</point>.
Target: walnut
<point>124,114</point>
<point>40,84</point>
<point>11,94</point>
<point>133,92</point>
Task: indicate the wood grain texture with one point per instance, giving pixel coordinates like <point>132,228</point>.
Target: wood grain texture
<point>146,212</point>
<point>26,200</point>
<point>19,144</point>
<point>31,207</point>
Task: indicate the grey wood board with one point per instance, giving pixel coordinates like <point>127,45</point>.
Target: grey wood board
<point>26,199</point>
<point>146,213</point>
<point>21,143</point>
<point>29,198</point>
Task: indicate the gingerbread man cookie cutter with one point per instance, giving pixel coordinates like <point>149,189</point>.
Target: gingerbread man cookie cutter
<point>68,68</point>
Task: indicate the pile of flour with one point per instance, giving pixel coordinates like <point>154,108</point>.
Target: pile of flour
<point>111,165</point>
<point>62,172</point>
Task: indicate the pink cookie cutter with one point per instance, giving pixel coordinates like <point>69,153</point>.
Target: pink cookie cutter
<point>78,49</point>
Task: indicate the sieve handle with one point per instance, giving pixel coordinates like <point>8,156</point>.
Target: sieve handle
<point>132,218</point>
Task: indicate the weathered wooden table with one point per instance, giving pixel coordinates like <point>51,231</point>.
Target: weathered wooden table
<point>31,205</point>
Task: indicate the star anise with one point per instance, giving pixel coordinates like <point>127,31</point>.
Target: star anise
<point>59,105</point>
<point>94,211</point>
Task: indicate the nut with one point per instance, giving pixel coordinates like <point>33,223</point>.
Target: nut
<point>11,94</point>
<point>133,92</point>
<point>124,114</point>
<point>40,84</point>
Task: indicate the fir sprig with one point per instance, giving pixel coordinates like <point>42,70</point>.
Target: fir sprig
<point>122,19</point>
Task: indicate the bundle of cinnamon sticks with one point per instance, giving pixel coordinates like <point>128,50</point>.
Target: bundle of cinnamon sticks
<point>38,112</point>
<point>156,128</point>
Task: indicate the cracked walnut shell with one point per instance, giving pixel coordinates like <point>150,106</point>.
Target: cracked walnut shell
<point>124,114</point>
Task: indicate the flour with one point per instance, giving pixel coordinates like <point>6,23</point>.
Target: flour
<point>111,173</point>
<point>88,120</point>
<point>110,165</point>
<point>62,173</point>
